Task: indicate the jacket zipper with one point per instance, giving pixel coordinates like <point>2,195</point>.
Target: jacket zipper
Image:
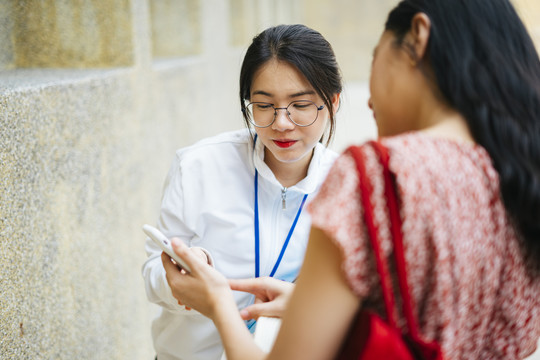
<point>275,226</point>
<point>283,198</point>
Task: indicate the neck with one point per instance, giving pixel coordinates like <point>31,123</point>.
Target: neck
<point>288,173</point>
<point>434,116</point>
<point>446,122</point>
<point>454,128</point>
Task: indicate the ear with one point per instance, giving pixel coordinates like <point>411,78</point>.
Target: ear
<point>336,102</point>
<point>418,36</point>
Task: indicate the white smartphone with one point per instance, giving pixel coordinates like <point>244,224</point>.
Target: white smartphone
<point>165,245</point>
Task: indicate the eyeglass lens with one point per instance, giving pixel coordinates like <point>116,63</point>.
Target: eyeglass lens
<point>301,112</point>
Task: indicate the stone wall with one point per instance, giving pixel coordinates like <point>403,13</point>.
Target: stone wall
<point>95,96</point>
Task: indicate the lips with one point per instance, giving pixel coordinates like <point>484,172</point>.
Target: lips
<point>285,143</point>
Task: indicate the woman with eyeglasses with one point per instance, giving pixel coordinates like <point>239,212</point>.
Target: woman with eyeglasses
<point>455,91</point>
<point>238,199</point>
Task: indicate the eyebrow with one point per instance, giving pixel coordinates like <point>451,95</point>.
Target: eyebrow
<point>297,94</point>
<point>302,93</point>
<point>260,92</point>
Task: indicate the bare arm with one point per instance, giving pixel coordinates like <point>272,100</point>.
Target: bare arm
<point>321,307</point>
<point>315,322</point>
<point>207,291</point>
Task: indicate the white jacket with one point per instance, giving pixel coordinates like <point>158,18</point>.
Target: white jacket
<point>208,201</point>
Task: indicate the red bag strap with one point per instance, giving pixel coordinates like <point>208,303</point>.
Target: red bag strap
<point>397,237</point>
<point>366,190</point>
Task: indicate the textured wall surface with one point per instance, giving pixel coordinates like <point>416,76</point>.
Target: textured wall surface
<point>72,33</point>
<point>68,252</point>
<point>95,96</point>
<point>94,99</point>
<point>352,27</point>
<point>529,10</point>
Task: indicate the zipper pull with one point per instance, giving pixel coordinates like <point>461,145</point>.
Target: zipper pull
<point>283,200</point>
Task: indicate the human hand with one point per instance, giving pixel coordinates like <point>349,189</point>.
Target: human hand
<point>203,288</point>
<point>271,296</point>
<point>201,254</point>
<point>196,250</point>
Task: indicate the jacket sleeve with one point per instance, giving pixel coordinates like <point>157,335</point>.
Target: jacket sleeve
<point>173,224</point>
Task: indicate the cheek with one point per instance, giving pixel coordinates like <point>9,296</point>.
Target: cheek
<point>379,99</point>
<point>316,131</point>
<point>262,134</point>
<point>377,85</point>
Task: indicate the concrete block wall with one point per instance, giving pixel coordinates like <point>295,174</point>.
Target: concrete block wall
<point>353,28</point>
<point>529,10</point>
<point>95,97</point>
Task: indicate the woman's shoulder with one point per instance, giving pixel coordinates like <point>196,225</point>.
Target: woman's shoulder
<point>229,138</point>
<point>215,154</point>
<point>421,152</point>
<point>421,147</point>
<point>219,145</point>
<point>417,154</point>
<point>326,156</point>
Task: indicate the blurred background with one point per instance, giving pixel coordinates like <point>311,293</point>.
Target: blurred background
<point>95,97</point>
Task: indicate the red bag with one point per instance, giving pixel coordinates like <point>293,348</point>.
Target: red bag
<point>370,336</point>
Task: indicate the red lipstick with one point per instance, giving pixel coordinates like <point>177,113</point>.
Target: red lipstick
<point>284,143</point>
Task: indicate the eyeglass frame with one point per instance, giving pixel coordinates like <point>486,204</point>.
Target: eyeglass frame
<point>252,121</point>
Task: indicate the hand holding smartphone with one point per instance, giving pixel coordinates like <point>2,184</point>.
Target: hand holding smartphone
<point>165,244</point>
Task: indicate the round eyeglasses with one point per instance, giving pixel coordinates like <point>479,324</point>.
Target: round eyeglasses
<point>300,112</point>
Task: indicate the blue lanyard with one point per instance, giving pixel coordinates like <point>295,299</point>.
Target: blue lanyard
<point>284,247</point>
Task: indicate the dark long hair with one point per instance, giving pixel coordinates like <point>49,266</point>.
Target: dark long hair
<point>487,68</point>
<point>305,49</point>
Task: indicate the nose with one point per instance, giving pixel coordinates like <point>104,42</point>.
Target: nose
<point>282,121</point>
<point>370,103</point>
